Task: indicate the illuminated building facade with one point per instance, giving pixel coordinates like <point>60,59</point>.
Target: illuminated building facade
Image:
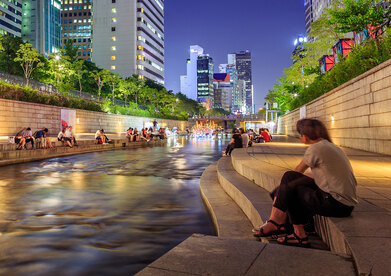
<point>11,17</point>
<point>243,64</point>
<point>205,90</point>
<point>313,10</point>
<point>222,91</point>
<point>231,70</point>
<point>128,37</point>
<point>76,26</point>
<point>189,81</point>
<point>41,25</point>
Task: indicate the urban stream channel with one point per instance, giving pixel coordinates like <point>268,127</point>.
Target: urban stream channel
<point>105,213</point>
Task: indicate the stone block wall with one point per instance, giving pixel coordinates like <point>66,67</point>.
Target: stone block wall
<point>15,115</point>
<point>357,113</point>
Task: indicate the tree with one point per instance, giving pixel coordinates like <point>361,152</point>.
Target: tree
<point>9,46</point>
<point>127,87</point>
<point>29,59</point>
<point>100,78</point>
<point>70,51</point>
<point>113,80</point>
<point>357,15</point>
<point>79,70</point>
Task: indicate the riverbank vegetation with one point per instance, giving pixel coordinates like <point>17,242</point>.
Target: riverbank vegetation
<point>81,84</point>
<point>304,81</point>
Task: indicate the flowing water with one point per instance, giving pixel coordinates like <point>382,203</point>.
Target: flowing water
<point>106,213</point>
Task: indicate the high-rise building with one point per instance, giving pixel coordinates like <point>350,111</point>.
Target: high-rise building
<point>222,91</point>
<point>11,17</point>
<point>231,70</point>
<point>189,81</point>
<point>76,26</point>
<point>313,10</point>
<point>242,61</point>
<point>205,92</point>
<point>41,25</point>
<point>241,96</point>
<point>128,37</point>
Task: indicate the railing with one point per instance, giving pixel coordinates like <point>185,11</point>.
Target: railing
<point>231,117</point>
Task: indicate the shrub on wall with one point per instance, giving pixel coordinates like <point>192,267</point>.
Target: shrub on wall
<point>27,94</point>
<point>362,59</point>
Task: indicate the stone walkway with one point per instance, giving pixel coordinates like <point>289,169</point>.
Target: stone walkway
<point>372,171</point>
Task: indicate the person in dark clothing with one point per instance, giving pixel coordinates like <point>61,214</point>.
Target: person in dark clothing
<point>328,190</point>
<point>236,142</point>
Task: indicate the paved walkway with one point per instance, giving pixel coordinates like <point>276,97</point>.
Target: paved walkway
<point>372,170</point>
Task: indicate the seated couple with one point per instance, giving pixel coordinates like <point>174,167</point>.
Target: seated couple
<point>329,190</point>
<point>101,137</point>
<point>67,137</point>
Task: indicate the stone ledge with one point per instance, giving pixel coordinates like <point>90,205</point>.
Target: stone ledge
<point>353,235</point>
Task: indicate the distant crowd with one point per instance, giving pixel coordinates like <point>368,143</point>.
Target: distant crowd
<point>40,139</point>
<point>243,139</point>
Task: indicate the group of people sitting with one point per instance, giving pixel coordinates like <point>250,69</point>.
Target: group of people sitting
<point>67,137</point>
<point>242,139</point>
<point>25,136</point>
<point>146,134</point>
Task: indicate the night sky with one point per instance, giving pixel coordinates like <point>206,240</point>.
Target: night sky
<point>265,27</point>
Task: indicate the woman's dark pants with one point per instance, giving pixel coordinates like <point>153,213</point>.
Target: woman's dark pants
<point>301,198</point>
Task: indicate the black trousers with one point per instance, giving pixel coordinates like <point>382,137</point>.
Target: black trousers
<point>301,198</point>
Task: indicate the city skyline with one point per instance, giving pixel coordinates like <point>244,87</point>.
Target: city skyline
<point>270,47</point>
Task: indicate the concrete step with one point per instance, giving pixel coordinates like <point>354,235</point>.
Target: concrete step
<point>365,235</point>
<point>207,255</point>
<point>228,218</point>
<point>252,199</point>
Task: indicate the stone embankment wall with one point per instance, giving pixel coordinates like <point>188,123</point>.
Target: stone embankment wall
<point>15,115</point>
<point>357,113</point>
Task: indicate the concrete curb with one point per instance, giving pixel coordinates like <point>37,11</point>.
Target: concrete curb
<point>228,218</point>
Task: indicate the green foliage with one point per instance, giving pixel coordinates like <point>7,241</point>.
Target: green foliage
<point>356,15</point>
<point>217,111</point>
<point>65,72</point>
<point>28,58</point>
<point>27,94</point>
<point>363,58</point>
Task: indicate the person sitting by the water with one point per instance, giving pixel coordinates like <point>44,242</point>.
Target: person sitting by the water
<point>162,133</point>
<point>150,133</point>
<point>26,137</point>
<point>143,135</point>
<point>264,134</point>
<point>136,136</point>
<point>100,136</point>
<point>236,142</point>
<point>330,189</point>
<point>41,135</point>
<point>19,138</point>
<point>129,134</point>
<point>245,138</point>
<point>69,134</point>
<point>270,134</point>
<point>62,138</point>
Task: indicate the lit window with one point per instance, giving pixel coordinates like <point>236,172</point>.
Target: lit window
<point>114,10</point>
<point>112,67</point>
<point>113,48</point>
<point>140,67</point>
<point>140,77</point>
<point>140,57</point>
<point>140,48</point>
<point>113,38</point>
<point>113,57</point>
<point>113,19</point>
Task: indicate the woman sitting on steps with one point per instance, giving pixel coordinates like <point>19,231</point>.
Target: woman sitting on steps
<point>329,190</point>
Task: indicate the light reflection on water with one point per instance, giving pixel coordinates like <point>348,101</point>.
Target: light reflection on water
<point>107,213</point>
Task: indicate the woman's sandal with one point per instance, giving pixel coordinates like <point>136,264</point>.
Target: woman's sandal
<point>299,243</point>
<point>260,233</point>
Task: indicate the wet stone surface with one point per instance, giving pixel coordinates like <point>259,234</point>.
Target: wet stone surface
<point>107,213</point>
